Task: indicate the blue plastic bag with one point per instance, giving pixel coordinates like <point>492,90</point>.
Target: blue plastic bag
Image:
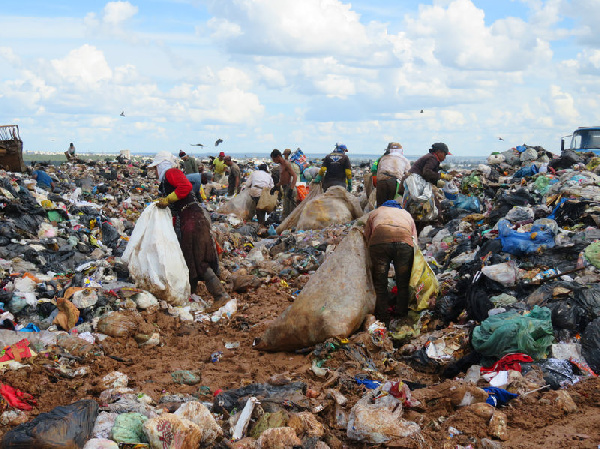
<point>521,243</point>
<point>466,202</point>
<point>526,171</point>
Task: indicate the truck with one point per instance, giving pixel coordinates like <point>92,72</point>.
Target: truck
<point>11,149</point>
<point>584,140</point>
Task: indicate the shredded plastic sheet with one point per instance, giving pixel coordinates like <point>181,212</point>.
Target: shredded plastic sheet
<point>418,198</point>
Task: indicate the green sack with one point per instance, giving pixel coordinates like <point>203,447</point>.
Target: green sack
<point>592,253</point>
<point>542,184</point>
<point>129,428</point>
<point>511,332</point>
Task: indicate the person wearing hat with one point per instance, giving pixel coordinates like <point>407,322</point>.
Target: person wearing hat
<point>336,169</point>
<point>286,155</point>
<point>391,169</point>
<point>188,164</point>
<point>191,226</point>
<point>390,233</point>
<point>256,182</point>
<point>219,167</point>
<point>428,166</point>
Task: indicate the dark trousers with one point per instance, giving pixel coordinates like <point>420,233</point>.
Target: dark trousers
<point>260,214</point>
<point>382,255</point>
<point>386,190</point>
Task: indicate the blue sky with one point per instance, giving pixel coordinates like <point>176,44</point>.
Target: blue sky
<point>264,74</point>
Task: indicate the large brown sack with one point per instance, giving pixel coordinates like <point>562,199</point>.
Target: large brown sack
<point>333,303</point>
<point>314,190</point>
<point>336,206</point>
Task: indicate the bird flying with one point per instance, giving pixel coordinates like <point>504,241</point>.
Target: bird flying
<point>218,142</point>
<point>196,145</point>
<point>122,113</point>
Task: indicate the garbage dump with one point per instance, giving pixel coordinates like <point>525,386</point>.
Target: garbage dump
<point>104,344</point>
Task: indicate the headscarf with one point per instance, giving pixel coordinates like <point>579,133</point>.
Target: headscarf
<point>163,161</point>
<point>392,203</point>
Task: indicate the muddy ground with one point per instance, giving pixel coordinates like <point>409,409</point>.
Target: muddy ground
<point>533,420</point>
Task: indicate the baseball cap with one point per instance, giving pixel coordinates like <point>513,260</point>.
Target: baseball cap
<point>181,153</point>
<point>439,146</point>
<point>222,154</point>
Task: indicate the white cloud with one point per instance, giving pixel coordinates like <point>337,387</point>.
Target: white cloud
<point>9,55</point>
<point>84,67</point>
<point>273,78</point>
<point>336,86</point>
<point>117,12</point>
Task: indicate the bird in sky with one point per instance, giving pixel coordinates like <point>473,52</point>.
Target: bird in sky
<point>500,138</point>
<point>421,111</point>
<point>122,113</point>
<point>196,145</point>
<point>218,142</point>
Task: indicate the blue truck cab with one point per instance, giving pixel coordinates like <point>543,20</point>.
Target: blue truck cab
<point>584,140</point>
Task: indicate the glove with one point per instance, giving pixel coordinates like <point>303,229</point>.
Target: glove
<point>290,194</point>
<point>163,202</point>
<point>441,184</point>
<point>318,179</point>
<point>273,190</point>
<point>446,176</point>
<point>349,186</point>
<point>166,200</point>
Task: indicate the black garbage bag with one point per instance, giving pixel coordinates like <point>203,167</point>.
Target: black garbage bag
<point>64,427</point>
<point>558,373</point>
<point>573,212</point>
<point>110,235</point>
<point>590,345</point>
<point>236,399</point>
<point>572,311</point>
<point>478,295</point>
<point>450,306</point>
<point>567,159</point>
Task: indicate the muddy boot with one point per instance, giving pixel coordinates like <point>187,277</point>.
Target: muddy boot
<point>216,289</point>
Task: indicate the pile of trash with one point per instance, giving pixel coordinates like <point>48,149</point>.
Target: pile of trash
<point>296,357</point>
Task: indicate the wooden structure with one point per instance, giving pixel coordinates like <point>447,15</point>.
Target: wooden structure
<point>11,149</point>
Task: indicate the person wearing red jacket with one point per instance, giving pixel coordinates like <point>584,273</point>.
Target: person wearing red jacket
<point>191,226</point>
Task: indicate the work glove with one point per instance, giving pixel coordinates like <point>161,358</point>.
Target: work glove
<point>166,200</point>
<point>290,194</point>
<point>349,185</point>
<point>273,190</point>
<point>441,183</point>
<point>446,176</point>
<point>318,179</point>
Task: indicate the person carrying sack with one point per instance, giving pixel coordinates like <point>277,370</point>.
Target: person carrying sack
<point>256,183</point>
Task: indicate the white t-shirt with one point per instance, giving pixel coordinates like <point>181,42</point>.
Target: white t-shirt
<point>257,181</point>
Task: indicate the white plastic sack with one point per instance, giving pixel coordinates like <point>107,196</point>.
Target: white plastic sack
<point>240,205</point>
<point>529,154</point>
<point>418,198</point>
<point>506,273</point>
<point>155,259</point>
<point>496,159</point>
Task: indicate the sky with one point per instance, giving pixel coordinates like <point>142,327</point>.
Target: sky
<point>158,75</point>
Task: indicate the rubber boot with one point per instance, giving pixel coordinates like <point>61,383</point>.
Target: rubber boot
<point>216,289</point>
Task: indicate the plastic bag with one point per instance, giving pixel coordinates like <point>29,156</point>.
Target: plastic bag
<point>542,184</point>
<point>510,332</point>
<point>418,198</point>
<point>450,190</point>
<point>333,303</point>
<point>67,427</point>
<point>240,205</point>
<point>155,259</point>
<point>590,345</point>
<point>506,273</point>
<point>336,206</point>
<point>267,202</point>
<point>592,254</point>
<point>423,284</point>
<point>301,192</point>
<point>521,243</point>
<point>520,213</point>
<point>377,418</point>
<point>495,159</point>
<point>468,203</point>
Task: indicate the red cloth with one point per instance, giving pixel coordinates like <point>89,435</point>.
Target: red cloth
<point>17,398</point>
<point>177,179</point>
<point>18,351</point>
<point>508,362</point>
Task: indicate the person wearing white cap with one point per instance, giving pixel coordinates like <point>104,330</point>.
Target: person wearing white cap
<point>191,226</point>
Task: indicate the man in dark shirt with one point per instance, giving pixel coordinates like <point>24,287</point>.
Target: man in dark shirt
<point>188,164</point>
<point>233,181</point>
<point>428,166</point>
<point>336,169</point>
